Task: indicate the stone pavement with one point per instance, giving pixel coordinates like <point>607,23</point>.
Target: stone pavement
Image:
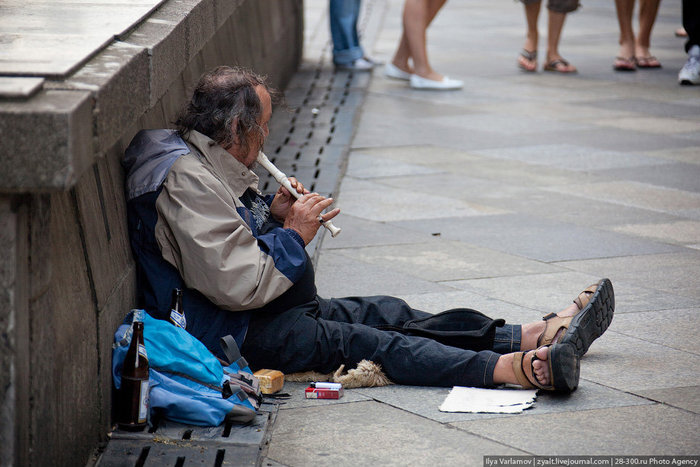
<point>510,196</point>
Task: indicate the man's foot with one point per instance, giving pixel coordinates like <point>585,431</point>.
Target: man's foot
<point>552,368</point>
<point>583,321</point>
<point>527,60</point>
<point>690,73</point>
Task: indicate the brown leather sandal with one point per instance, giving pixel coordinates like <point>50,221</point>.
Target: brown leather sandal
<point>564,369</point>
<point>596,307</point>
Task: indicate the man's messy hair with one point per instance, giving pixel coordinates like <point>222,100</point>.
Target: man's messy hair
<point>225,107</point>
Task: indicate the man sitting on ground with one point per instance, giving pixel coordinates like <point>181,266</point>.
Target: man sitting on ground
<point>198,222</point>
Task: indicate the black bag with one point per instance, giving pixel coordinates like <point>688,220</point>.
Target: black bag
<point>463,328</point>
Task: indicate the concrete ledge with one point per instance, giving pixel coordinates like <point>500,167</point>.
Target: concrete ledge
<point>47,141</point>
<point>130,77</point>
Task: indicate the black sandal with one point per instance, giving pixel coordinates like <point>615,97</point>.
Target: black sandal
<point>564,369</point>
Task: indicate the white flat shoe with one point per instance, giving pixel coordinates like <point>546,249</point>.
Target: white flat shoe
<point>418,82</point>
<point>394,72</point>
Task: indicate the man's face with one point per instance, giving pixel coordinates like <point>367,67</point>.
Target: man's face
<point>256,142</point>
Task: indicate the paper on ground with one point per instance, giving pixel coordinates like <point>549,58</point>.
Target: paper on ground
<point>478,400</point>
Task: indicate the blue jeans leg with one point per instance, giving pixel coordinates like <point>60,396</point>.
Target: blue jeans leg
<point>343,22</point>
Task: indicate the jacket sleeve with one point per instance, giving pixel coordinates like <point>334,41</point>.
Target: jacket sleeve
<point>201,232</point>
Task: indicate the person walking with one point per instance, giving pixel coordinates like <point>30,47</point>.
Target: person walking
<point>634,49</point>
<point>410,62</point>
<point>347,52</point>
<point>558,9</point>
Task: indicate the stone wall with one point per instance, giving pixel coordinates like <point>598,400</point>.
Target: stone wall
<point>66,272</point>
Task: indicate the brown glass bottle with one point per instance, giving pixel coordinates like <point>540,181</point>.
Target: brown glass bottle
<point>132,411</point>
<point>177,312</point>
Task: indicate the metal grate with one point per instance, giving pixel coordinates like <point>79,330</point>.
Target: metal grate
<point>174,444</point>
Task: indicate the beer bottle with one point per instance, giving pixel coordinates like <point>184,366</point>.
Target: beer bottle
<point>133,394</point>
<point>177,312</point>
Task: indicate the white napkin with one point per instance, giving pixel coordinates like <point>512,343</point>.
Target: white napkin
<point>478,400</point>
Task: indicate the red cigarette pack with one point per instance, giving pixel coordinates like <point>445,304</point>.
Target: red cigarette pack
<point>323,393</point>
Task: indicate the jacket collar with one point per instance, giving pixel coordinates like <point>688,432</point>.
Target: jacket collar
<point>238,176</point>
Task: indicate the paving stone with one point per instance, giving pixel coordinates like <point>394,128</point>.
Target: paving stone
<point>333,272</point>
<point>687,398</point>
<point>672,328</point>
<point>679,232</point>
<point>366,433</point>
<point>680,176</point>
<point>426,401</point>
<point>653,124</point>
<point>665,272</point>
<point>688,155</point>
<point>372,201</point>
<point>615,431</point>
<point>617,139</point>
<point>358,232</point>
<point>646,365</point>
<point>298,398</point>
<point>367,166</point>
<point>445,261</point>
<point>553,292</point>
<point>646,106</point>
<point>571,157</point>
<point>522,235</point>
<point>640,195</point>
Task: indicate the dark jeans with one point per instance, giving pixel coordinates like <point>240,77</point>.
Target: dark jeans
<point>322,335</point>
<point>691,22</point>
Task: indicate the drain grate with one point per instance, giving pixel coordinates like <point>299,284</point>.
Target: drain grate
<point>174,444</point>
<point>310,140</point>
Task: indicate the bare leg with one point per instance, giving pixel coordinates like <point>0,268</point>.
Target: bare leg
<point>625,8</point>
<point>417,15</point>
<point>555,26</point>
<point>532,14</point>
<point>647,16</point>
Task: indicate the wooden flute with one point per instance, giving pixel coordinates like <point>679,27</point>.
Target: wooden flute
<point>284,181</point>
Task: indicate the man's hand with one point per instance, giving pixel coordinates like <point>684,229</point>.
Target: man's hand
<point>303,215</point>
<point>283,200</point>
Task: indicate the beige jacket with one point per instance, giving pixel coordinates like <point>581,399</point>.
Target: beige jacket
<point>206,232</point>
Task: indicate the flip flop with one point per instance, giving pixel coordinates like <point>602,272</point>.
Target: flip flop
<point>648,62</point>
<point>560,66</point>
<point>530,58</point>
<point>624,64</point>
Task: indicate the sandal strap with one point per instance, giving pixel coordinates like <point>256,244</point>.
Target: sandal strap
<point>584,297</point>
<point>529,55</point>
<point>523,380</point>
<point>554,324</point>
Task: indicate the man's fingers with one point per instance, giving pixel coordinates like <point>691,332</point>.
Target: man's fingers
<point>330,214</point>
